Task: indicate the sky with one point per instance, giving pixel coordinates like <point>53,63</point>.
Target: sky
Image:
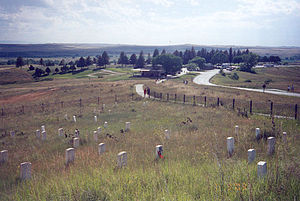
<point>152,22</point>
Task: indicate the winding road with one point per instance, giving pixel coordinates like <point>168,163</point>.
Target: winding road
<point>204,79</point>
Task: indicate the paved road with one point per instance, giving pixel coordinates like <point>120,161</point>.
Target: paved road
<point>204,79</point>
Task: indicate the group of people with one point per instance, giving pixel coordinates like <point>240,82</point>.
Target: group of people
<point>146,91</point>
<point>291,88</point>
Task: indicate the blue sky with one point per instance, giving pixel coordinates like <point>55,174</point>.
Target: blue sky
<point>152,22</point>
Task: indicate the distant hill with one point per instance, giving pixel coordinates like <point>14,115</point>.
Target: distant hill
<point>80,49</point>
<point>11,75</point>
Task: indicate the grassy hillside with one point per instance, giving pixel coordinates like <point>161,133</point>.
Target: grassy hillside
<point>196,165</point>
<point>10,75</point>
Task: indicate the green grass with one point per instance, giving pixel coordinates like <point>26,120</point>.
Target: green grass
<point>195,164</point>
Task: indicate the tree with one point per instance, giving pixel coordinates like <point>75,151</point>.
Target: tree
<point>72,68</point>
<point>88,61</point>
<point>250,60</point>
<point>140,63</point>
<point>275,59</point>
<point>192,53</point>
<point>100,61</point>
<point>192,67</point>
<point>123,59</point>
<point>105,58</point>
<point>170,63</point>
<point>38,72</point>
<point>148,61</point>
<point>31,67</point>
<point>219,57</point>
<point>81,62</point>
<point>155,53</point>
<point>62,62</point>
<point>163,52</point>
<point>42,62</point>
<point>56,70</point>
<point>20,62</point>
<point>133,59</point>
<point>230,57</point>
<point>48,70</point>
<point>199,61</point>
<point>237,59</point>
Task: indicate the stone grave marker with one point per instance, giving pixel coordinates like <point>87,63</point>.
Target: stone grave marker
<point>159,151</point>
<point>60,132</point>
<point>257,133</point>
<point>167,134</point>
<point>3,156</point>
<point>25,171</point>
<point>70,155</point>
<point>127,126</point>
<point>95,118</point>
<point>271,145</point>
<point>38,134</point>
<point>43,128</point>
<point>230,145</point>
<point>251,155</point>
<point>95,136</point>
<point>101,148</point>
<point>284,137</point>
<point>105,124</point>
<point>74,118</point>
<point>261,169</point>
<point>44,135</point>
<point>75,142</point>
<point>122,159</point>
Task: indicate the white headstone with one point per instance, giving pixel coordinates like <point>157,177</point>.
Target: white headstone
<point>109,111</point>
<point>25,171</point>
<point>271,145</point>
<point>95,118</point>
<point>3,156</point>
<point>261,169</point>
<point>70,155</point>
<point>12,133</point>
<point>127,126</point>
<point>60,132</point>
<point>284,137</point>
<point>236,130</point>
<point>75,142</point>
<point>99,130</point>
<point>74,118</point>
<point>257,133</point>
<point>44,135</point>
<point>122,159</point>
<point>43,128</point>
<point>66,116</point>
<point>158,151</point>
<point>167,134</point>
<point>251,155</point>
<point>38,133</point>
<point>101,148</point>
<point>103,106</point>
<point>76,133</point>
<point>230,145</point>
<point>95,136</point>
<point>105,124</point>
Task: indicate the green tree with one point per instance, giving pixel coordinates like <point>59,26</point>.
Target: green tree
<point>105,58</point>
<point>155,53</point>
<point>123,59</point>
<point>133,59</point>
<point>199,61</point>
<point>48,70</point>
<point>230,57</point>
<point>148,61</point>
<point>56,70</point>
<point>20,62</point>
<point>170,63</point>
<point>219,57</point>
<point>250,60</point>
<point>140,63</point>
<point>62,62</point>
<point>192,67</point>
<point>88,61</point>
<point>100,61</point>
<point>81,62</point>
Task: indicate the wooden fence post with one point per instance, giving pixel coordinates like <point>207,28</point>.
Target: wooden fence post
<point>250,106</point>
<point>218,102</point>
<point>233,103</point>
<point>296,111</point>
<point>183,98</point>
<point>271,108</point>
<point>23,110</point>
<point>194,100</point>
<point>204,101</point>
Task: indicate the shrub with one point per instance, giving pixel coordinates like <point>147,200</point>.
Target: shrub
<point>234,76</point>
<point>248,81</point>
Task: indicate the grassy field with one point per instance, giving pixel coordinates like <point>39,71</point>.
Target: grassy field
<point>276,77</point>
<point>196,165</point>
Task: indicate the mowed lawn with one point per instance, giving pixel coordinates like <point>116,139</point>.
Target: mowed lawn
<point>276,77</point>
<point>195,166</point>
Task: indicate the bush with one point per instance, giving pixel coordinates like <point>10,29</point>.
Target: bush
<point>192,67</point>
<point>234,76</point>
<point>268,81</point>
<point>248,81</point>
<point>222,72</point>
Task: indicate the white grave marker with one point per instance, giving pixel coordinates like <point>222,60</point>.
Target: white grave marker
<point>25,171</point>
<point>95,136</point>
<point>44,135</point>
<point>158,151</point>
<point>43,128</point>
<point>236,130</point>
<point>38,133</point>
<point>76,133</point>
<point>74,118</point>
<point>230,145</point>
<point>122,159</point>
<point>271,145</point>
<point>109,111</point>
<point>284,137</point>
<point>105,124</point>
<point>3,156</point>
<point>75,142</point>
<point>70,155</point>
<point>95,119</point>
<point>251,155</point>
<point>103,106</point>
<point>66,116</point>
<point>257,133</point>
<point>101,148</point>
<point>60,132</point>
<point>261,169</point>
<point>167,134</point>
<point>99,130</point>
<point>127,126</point>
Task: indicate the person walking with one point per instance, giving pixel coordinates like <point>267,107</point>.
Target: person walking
<point>264,87</point>
<point>145,92</point>
<point>289,88</point>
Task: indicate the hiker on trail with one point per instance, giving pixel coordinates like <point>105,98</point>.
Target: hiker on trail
<point>289,88</point>
<point>264,87</point>
<point>292,89</point>
<point>145,92</point>
<point>148,91</point>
